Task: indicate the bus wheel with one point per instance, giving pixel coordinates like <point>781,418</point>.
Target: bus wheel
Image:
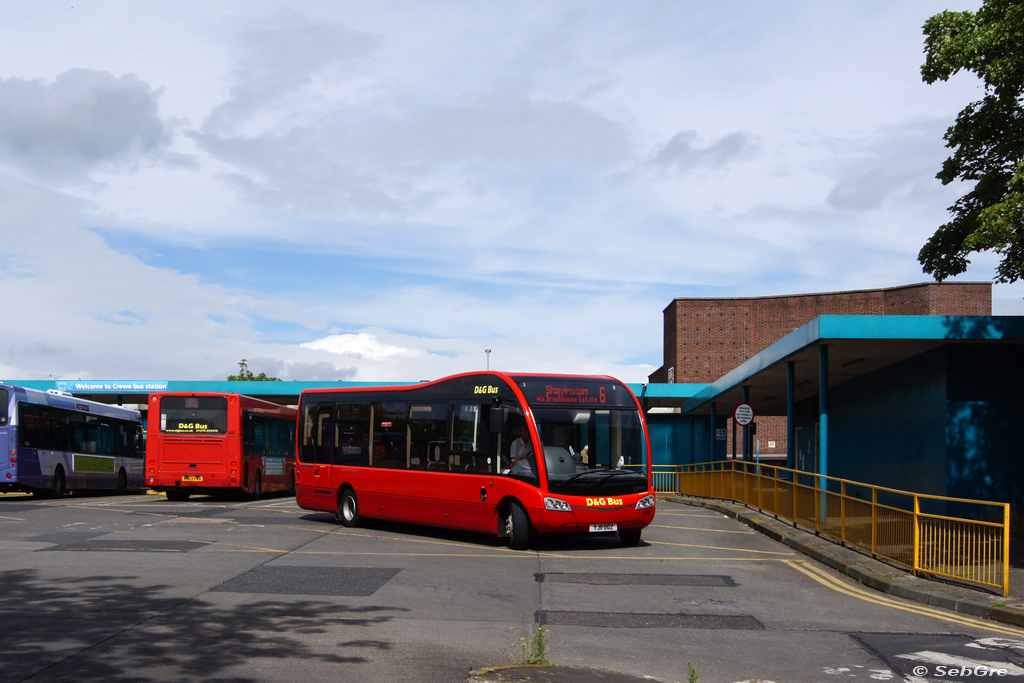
<point>257,487</point>
<point>177,494</point>
<point>58,482</point>
<point>122,481</point>
<point>348,508</point>
<point>517,527</point>
<point>629,537</point>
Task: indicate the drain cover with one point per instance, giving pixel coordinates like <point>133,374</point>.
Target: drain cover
<point>716,622</point>
<point>339,581</point>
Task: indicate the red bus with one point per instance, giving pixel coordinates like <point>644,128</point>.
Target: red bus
<point>218,443</point>
<point>462,452</point>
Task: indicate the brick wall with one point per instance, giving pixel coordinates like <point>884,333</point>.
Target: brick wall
<point>706,338</point>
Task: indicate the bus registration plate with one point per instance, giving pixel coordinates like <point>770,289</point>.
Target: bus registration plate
<point>192,477</point>
<point>603,527</point>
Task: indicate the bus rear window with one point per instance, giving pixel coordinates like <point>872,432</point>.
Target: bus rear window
<point>4,398</point>
<point>193,414</point>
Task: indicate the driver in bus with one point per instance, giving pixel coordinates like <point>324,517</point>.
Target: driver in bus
<point>521,449</point>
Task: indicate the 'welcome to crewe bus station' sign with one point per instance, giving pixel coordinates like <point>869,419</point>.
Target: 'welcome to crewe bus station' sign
<point>114,386</point>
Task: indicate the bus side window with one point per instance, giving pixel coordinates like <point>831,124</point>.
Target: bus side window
<point>472,439</point>
<point>247,432</point>
<point>259,441</point>
<point>428,437</point>
<point>326,436</point>
<point>308,436</point>
<point>272,425</point>
<point>289,436</point>
<point>353,434</point>
<point>390,435</point>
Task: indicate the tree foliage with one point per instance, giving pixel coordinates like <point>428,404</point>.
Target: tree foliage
<point>987,138</point>
<point>245,375</point>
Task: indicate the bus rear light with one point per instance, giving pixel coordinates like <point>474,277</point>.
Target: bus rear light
<point>234,472</point>
<point>8,475</point>
<point>234,464</point>
<point>14,460</point>
<point>152,480</point>
<point>152,471</point>
<point>233,480</point>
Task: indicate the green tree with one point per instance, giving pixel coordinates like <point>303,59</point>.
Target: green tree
<point>987,138</point>
<point>245,375</point>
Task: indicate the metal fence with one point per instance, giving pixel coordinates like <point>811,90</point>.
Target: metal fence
<point>954,538</point>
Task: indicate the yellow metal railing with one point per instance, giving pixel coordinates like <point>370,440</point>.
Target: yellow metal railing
<point>956,538</point>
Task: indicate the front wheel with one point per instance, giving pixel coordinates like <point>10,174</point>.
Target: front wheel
<point>629,537</point>
<point>348,509</point>
<point>517,527</point>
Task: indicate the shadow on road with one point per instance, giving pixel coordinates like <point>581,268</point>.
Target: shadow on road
<point>104,628</point>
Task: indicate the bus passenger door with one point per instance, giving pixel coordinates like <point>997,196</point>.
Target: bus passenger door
<point>316,473</point>
<point>473,452</point>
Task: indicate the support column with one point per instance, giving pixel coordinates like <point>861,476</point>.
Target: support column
<point>712,439</point>
<point>791,415</point>
<point>823,409</point>
<point>822,430</point>
<point>746,428</point>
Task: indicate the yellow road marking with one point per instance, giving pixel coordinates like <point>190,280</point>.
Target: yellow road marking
<point>16,519</point>
<point>713,547</point>
<point>693,528</point>
<point>836,584</point>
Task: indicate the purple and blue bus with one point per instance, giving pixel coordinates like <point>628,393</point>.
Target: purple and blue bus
<point>53,442</point>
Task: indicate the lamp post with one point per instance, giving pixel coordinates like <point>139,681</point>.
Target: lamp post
<point>488,352</point>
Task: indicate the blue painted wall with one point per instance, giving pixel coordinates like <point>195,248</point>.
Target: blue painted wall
<point>985,422</point>
<point>683,439</point>
<point>888,428</point>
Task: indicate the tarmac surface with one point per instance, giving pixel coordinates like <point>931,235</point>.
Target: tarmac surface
<point>858,566</point>
<point>168,590</point>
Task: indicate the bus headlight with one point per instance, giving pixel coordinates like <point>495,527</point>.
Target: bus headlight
<point>556,504</point>
<point>645,502</point>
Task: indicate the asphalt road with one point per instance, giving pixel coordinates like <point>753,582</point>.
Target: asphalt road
<point>137,588</point>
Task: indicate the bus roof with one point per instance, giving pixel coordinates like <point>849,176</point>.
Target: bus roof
<point>70,402</point>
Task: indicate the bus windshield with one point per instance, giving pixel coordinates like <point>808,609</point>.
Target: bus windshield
<point>193,414</point>
<point>592,450</point>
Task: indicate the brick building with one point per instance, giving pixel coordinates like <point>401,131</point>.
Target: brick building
<point>705,338</point>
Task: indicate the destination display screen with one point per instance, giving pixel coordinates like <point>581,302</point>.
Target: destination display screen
<point>193,415</point>
<point>578,392</point>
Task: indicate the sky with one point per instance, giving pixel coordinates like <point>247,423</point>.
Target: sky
<point>382,191</point>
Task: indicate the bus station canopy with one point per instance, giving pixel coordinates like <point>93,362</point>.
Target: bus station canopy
<point>858,345</point>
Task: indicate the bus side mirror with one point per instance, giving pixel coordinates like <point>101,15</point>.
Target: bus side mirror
<point>496,420</point>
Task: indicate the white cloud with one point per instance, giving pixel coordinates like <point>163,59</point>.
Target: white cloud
<point>360,345</point>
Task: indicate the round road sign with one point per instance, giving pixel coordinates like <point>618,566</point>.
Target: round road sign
<point>743,414</point>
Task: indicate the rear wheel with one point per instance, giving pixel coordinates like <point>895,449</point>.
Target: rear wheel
<point>348,509</point>
<point>629,537</point>
<point>517,527</point>
<point>59,484</point>
<point>257,487</point>
<point>122,481</point>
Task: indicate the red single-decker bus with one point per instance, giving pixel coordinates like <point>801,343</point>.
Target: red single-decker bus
<point>492,452</point>
<point>219,443</point>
